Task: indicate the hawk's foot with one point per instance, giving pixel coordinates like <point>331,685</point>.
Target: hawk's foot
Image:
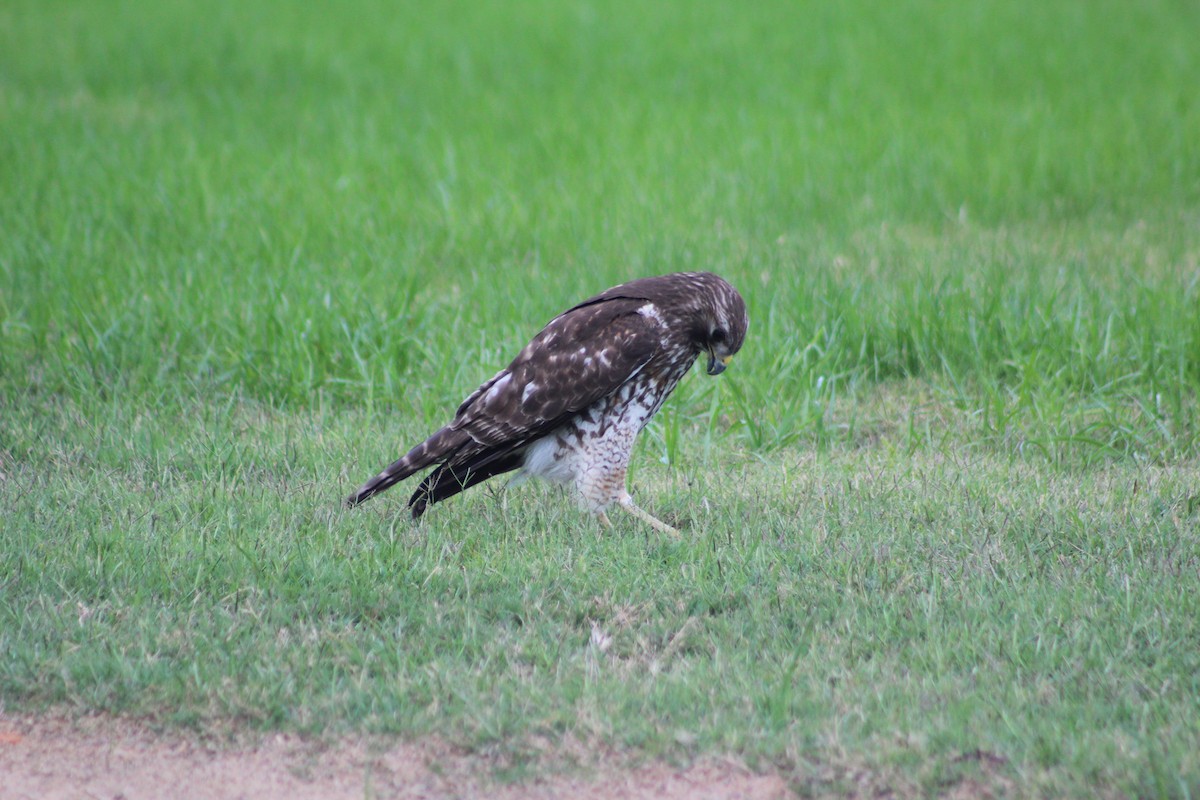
<point>658,525</point>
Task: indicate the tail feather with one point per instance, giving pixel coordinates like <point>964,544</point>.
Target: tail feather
<point>442,445</point>
<point>448,480</point>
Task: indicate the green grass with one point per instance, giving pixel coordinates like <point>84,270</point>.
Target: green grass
<point>946,501</point>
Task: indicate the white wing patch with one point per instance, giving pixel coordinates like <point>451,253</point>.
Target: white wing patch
<point>651,311</point>
<point>497,387</point>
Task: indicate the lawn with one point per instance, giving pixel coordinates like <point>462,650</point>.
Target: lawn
<point>941,516</point>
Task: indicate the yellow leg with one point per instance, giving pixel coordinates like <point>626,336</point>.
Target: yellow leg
<point>626,503</point>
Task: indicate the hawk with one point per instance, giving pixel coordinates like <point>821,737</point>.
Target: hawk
<point>569,406</point>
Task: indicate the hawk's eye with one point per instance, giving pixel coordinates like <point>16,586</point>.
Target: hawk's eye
<point>719,336</point>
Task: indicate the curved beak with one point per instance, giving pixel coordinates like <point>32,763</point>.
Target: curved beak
<point>717,365</point>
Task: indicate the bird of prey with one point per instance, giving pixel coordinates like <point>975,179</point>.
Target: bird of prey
<point>568,407</point>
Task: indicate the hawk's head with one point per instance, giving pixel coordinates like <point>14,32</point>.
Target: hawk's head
<point>703,305</point>
<point>720,324</point>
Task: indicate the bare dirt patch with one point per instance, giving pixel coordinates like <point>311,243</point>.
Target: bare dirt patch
<point>52,757</point>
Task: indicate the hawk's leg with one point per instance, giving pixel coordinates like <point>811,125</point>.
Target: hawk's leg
<point>599,488</point>
<point>626,502</point>
<point>628,505</point>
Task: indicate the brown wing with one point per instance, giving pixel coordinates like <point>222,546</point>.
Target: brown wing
<point>583,355</point>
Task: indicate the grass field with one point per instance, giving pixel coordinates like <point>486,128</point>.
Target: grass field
<point>941,517</point>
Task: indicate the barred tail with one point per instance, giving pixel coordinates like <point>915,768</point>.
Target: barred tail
<point>436,448</point>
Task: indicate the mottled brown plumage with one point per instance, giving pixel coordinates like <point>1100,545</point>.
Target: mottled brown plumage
<point>570,405</point>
